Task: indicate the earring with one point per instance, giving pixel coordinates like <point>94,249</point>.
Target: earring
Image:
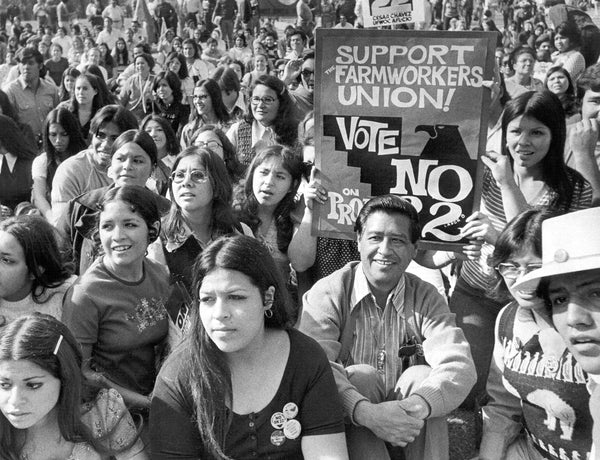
<point>269,313</point>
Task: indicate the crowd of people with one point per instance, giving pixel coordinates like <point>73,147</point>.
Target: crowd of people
<point>162,295</point>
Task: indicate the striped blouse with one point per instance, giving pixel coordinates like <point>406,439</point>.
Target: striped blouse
<point>478,274</point>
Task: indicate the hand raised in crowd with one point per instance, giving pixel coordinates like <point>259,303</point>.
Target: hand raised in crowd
<point>314,191</point>
<point>390,421</point>
<point>500,167</point>
<point>583,137</point>
<point>479,227</point>
<point>291,71</point>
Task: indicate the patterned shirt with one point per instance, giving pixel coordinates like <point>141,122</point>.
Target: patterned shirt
<point>378,330</point>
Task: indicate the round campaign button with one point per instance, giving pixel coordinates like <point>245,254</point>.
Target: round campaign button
<point>277,438</point>
<point>290,410</point>
<point>278,420</point>
<point>292,429</point>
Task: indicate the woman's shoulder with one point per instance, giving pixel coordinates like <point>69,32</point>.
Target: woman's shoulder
<point>305,349</point>
<point>155,269</point>
<point>57,290</point>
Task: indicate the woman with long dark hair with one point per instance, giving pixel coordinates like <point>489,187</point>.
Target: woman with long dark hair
<point>246,383</point>
<point>212,137</point>
<point>559,82</point>
<point>86,99</point>
<point>267,203</point>
<point>62,139</point>
<point>116,309</point>
<point>530,171</point>
<point>68,83</point>
<point>167,100</point>
<point>41,392</point>
<point>201,199</point>
<point>15,172</point>
<point>567,41</point>
<point>175,62</point>
<point>34,272</point>
<point>167,146</point>
<point>269,121</point>
<point>120,54</point>
<point>208,109</point>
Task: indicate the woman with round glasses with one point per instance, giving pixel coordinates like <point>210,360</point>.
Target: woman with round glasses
<point>201,196</point>
<point>208,109</point>
<point>213,138</point>
<point>269,121</point>
<point>531,376</point>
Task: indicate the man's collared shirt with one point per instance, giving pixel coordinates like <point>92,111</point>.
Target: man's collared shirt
<point>32,106</point>
<point>378,329</point>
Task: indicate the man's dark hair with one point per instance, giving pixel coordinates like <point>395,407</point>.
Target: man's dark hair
<point>589,80</point>
<point>390,204</point>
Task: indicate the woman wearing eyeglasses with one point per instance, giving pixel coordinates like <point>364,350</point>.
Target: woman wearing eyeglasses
<point>201,196</point>
<point>532,379</point>
<point>208,109</point>
<point>213,138</point>
<point>270,120</point>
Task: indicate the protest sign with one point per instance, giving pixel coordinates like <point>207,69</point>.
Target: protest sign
<point>378,13</point>
<point>401,112</point>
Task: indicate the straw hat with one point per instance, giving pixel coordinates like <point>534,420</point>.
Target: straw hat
<point>570,243</point>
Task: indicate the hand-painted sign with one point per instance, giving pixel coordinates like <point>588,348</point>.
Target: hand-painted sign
<point>401,112</point>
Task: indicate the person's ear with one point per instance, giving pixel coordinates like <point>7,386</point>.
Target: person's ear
<point>153,232</point>
<point>269,297</point>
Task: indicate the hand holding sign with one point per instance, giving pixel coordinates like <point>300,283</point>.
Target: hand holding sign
<point>314,191</point>
<point>480,227</point>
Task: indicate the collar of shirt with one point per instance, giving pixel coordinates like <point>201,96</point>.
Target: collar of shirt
<point>10,160</point>
<point>25,85</point>
<point>261,133</point>
<point>361,289</point>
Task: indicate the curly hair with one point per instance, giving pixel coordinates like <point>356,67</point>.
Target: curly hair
<point>285,125</point>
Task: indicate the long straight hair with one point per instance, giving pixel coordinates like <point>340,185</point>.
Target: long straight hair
<point>35,338</point>
<point>38,240</point>
<point>546,108</point>
<point>63,117</point>
<point>216,98</point>
<point>248,205</point>
<point>223,221</point>
<point>209,375</point>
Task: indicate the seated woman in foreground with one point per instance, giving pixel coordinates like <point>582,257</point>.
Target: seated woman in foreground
<point>210,400</point>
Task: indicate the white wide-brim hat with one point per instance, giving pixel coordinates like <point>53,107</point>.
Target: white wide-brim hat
<point>570,243</point>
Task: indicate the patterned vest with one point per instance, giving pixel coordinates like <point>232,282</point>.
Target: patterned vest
<point>553,394</point>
